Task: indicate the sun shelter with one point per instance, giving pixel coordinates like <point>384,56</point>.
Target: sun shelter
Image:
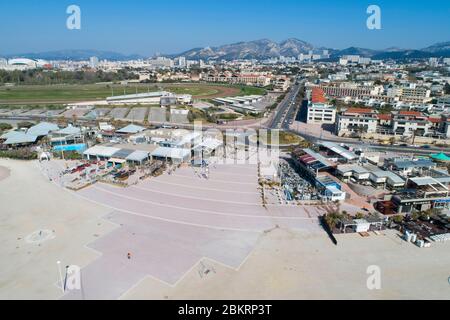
<point>8,134</point>
<point>138,157</point>
<point>131,129</point>
<point>176,155</point>
<point>116,162</point>
<point>441,157</point>
<point>100,153</point>
<point>42,129</point>
<point>20,138</point>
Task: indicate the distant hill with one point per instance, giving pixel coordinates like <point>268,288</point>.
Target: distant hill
<point>264,48</point>
<point>355,51</point>
<point>258,49</point>
<point>76,55</point>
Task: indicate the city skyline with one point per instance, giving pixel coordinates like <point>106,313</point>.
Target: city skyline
<point>147,28</point>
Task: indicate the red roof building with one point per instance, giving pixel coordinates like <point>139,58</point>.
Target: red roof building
<point>386,117</point>
<point>410,113</point>
<point>360,111</point>
<point>318,96</point>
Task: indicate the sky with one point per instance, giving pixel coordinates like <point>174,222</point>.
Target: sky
<point>147,27</point>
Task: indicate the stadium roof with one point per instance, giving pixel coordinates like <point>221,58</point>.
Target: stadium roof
<point>139,96</point>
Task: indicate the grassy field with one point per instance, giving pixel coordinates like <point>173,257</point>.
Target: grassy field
<point>284,137</point>
<point>75,93</point>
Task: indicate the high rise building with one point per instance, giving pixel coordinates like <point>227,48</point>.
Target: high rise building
<point>93,62</point>
<point>182,62</point>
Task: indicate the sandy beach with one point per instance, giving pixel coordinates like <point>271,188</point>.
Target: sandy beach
<point>4,173</point>
<point>220,256</point>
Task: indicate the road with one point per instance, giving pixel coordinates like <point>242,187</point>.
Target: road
<point>286,110</point>
<point>367,145</point>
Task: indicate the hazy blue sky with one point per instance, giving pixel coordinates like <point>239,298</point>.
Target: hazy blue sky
<point>171,26</point>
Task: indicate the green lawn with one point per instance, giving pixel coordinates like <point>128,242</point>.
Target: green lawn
<point>60,94</point>
<point>69,93</point>
<point>251,91</point>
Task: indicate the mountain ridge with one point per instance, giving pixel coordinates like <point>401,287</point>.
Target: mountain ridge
<point>256,49</point>
<point>292,47</point>
<point>75,55</point>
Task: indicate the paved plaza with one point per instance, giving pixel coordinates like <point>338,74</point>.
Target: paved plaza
<point>183,235</point>
<point>170,223</point>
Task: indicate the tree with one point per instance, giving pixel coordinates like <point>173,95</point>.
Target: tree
<point>359,215</point>
<point>391,141</point>
<point>447,88</point>
<point>5,126</point>
<point>25,124</point>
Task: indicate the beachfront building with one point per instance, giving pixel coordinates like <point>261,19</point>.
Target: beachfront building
<point>313,167</point>
<point>421,194</point>
<point>410,123</point>
<point>318,110</point>
<point>356,121</point>
<point>386,180</point>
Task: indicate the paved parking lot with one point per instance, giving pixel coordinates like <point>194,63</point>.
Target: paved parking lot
<point>119,113</point>
<point>137,114</point>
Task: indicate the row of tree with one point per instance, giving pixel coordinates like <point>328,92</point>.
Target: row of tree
<point>45,77</point>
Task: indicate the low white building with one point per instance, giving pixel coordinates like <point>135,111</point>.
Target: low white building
<point>321,113</point>
<point>334,194</point>
<point>356,120</point>
<point>149,98</point>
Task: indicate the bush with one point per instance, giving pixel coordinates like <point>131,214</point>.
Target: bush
<point>25,124</point>
<point>5,126</point>
<point>68,155</point>
<point>359,215</point>
<point>19,154</point>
